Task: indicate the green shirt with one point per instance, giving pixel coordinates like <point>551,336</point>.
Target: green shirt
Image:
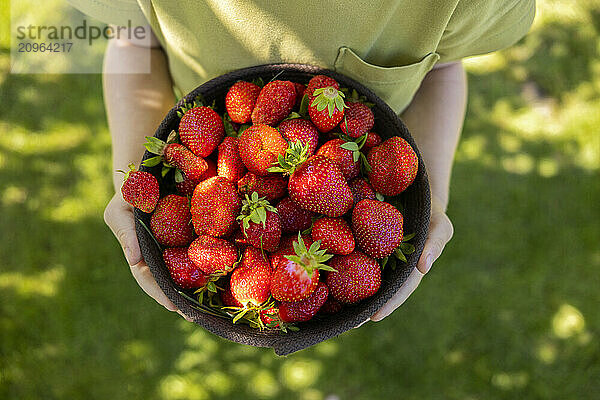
<point>388,45</point>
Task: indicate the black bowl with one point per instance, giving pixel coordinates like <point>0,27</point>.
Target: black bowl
<point>416,202</point>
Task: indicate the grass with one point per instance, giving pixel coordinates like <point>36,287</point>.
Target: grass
<point>509,311</point>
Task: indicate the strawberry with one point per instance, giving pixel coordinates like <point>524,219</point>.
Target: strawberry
<point>300,89</point>
<point>140,189</point>
<point>201,130</point>
<point>183,271</point>
<point>358,119</point>
<point>229,163</point>
<point>213,255</point>
<point>331,306</point>
<point>270,186</point>
<point>286,248</point>
<point>227,298</point>
<point>335,235</point>
<point>215,206</point>
<point>259,147</point>
<point>361,190</point>
<point>357,277</point>
<point>377,227</point>
<point>305,309</point>
<point>293,218</point>
<point>300,129</point>
<point>274,103</point>
<point>394,165</point>
<point>270,317</point>
<point>170,222</point>
<point>296,276</point>
<point>372,140</point>
<point>336,151</point>
<point>326,108</point>
<point>175,155</point>
<point>319,81</point>
<point>187,186</point>
<point>318,185</point>
<point>240,101</point>
<point>251,280</point>
<point>260,223</point>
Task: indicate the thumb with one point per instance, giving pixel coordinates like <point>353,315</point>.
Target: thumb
<point>118,215</point>
<point>440,233</point>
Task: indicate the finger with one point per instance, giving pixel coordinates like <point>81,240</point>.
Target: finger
<point>143,276</point>
<point>362,323</point>
<point>400,297</point>
<point>118,215</point>
<point>440,233</point>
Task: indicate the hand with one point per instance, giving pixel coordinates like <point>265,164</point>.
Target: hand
<point>440,233</point>
<point>118,215</point>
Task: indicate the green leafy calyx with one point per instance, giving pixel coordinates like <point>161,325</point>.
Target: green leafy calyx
<point>294,156</point>
<point>330,98</point>
<point>254,209</point>
<point>312,258</point>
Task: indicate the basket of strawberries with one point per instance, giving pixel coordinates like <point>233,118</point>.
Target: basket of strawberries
<point>280,205</point>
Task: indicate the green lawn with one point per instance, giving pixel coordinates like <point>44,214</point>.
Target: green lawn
<point>510,310</point>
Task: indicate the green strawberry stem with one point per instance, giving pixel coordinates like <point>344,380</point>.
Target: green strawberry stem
<point>330,98</point>
<point>255,209</point>
<point>151,235</point>
<point>294,156</point>
<point>312,258</point>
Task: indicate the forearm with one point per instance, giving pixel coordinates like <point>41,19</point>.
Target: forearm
<point>435,119</point>
<point>135,103</point>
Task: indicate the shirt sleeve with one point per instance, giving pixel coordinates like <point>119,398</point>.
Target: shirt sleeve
<point>115,12</point>
<point>478,27</point>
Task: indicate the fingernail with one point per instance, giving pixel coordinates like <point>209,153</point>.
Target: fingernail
<point>428,263</point>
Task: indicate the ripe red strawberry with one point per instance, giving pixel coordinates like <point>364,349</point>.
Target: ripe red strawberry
<point>358,119</point>
<point>251,280</point>
<point>215,206</point>
<point>335,235</point>
<point>259,147</point>
<point>394,165</point>
<point>170,222</point>
<point>140,189</point>
<point>373,140</point>
<point>192,166</point>
<point>331,306</point>
<point>270,317</point>
<point>274,103</point>
<point>377,227</point>
<point>361,190</point>
<point>201,130</point>
<point>305,309</point>
<point>270,186</point>
<point>357,277</point>
<point>175,155</point>
<point>300,129</point>
<point>293,218</point>
<point>297,276</point>
<point>240,101</point>
<point>187,186</point>
<point>286,248</point>
<point>318,185</point>
<point>320,81</point>
<point>344,158</point>
<point>260,223</point>
<point>213,255</point>
<point>228,299</point>
<point>183,271</point>
<point>326,108</point>
<point>300,89</point>
<point>229,163</point>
